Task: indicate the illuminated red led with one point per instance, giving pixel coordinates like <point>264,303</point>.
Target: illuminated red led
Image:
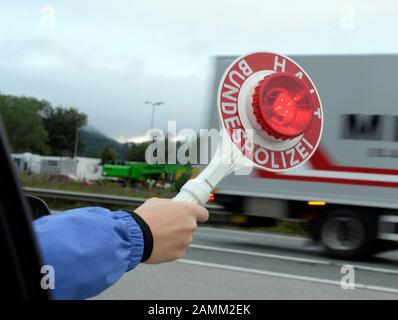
<point>282,105</point>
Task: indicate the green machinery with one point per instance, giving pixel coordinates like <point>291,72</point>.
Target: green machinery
<point>141,171</point>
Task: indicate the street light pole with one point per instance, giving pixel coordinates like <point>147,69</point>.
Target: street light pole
<point>153,104</point>
<point>76,148</point>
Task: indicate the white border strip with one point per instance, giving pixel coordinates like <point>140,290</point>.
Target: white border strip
<point>342,175</point>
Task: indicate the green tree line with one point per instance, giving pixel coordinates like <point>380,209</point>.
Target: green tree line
<point>36,126</point>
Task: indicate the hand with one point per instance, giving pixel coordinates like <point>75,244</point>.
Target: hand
<point>172,224</point>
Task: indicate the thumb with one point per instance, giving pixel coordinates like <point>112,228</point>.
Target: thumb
<point>202,215</point>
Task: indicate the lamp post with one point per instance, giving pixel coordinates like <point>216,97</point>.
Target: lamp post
<point>76,148</point>
<point>153,104</point>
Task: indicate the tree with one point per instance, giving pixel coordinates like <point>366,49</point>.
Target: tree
<point>108,155</point>
<point>62,126</point>
<point>23,123</point>
<point>136,152</point>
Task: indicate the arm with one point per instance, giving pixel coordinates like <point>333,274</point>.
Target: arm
<point>89,248</point>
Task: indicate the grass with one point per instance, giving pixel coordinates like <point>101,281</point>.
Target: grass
<point>99,187</point>
<point>288,227</point>
<point>297,228</point>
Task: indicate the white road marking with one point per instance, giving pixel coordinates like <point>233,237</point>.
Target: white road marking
<point>284,275</point>
<point>259,254</point>
<point>252,233</point>
<point>374,269</point>
<point>296,259</point>
<point>207,235</point>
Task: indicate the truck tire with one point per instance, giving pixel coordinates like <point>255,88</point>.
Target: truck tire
<point>347,234</point>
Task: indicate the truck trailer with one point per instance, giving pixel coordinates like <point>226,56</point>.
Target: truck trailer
<point>348,190</point>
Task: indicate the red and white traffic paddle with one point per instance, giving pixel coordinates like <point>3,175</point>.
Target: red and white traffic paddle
<point>271,117</point>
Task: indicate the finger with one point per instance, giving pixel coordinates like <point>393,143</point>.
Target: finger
<point>202,215</point>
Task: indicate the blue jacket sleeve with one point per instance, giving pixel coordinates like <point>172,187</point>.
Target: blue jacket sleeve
<point>89,249</point>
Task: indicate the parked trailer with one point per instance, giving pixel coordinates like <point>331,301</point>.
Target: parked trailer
<point>77,168</point>
<point>141,171</point>
<point>349,189</point>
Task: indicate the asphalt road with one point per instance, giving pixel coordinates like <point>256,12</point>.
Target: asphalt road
<point>229,264</point>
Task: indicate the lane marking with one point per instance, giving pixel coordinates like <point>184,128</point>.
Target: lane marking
<point>259,254</point>
<point>207,235</point>
<point>291,258</point>
<point>257,234</point>
<point>374,269</point>
<point>284,275</point>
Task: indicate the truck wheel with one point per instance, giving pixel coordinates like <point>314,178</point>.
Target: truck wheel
<point>346,234</point>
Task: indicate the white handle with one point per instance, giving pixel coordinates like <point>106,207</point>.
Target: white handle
<point>194,191</point>
<point>198,189</point>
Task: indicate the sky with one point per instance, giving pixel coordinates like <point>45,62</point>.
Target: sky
<point>107,58</point>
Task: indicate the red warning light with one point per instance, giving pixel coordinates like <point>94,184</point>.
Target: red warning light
<point>282,105</point>
<point>211,197</point>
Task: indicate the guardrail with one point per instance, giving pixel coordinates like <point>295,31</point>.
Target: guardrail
<point>98,198</point>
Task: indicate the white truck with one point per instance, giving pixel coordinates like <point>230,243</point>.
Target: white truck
<point>349,188</point>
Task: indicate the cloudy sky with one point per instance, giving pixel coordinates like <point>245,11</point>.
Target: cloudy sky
<point>107,57</point>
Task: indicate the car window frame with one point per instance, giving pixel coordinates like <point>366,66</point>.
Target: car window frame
<point>19,254</point>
